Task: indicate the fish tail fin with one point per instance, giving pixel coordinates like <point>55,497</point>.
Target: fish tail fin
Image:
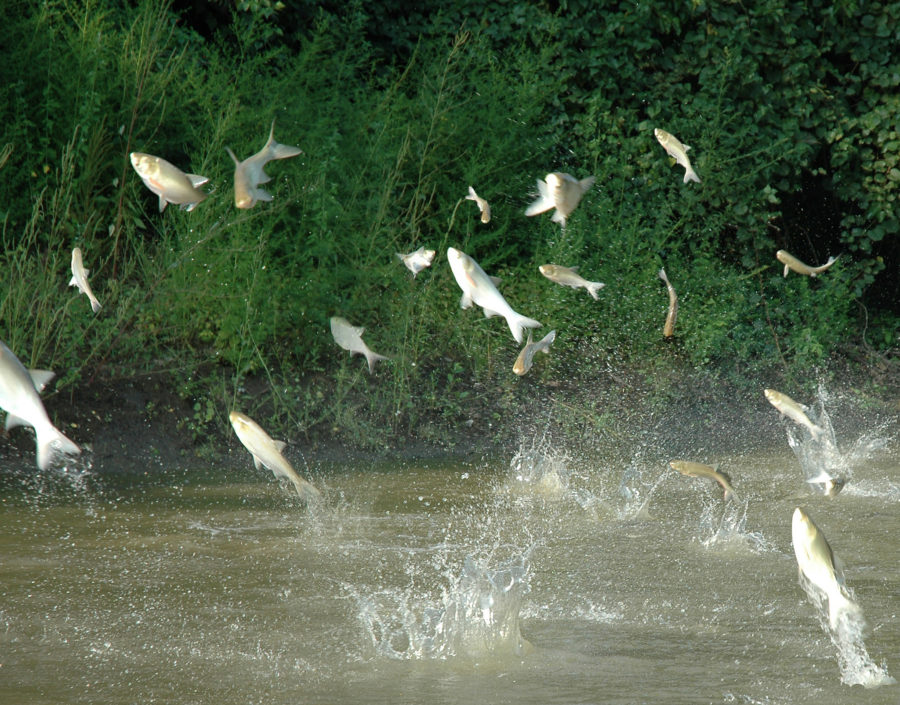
<point>586,183</point>
<point>690,174</point>
<point>729,495</point>
<point>472,195</point>
<point>547,340</point>
<point>594,287</point>
<point>518,323</point>
<point>95,305</point>
<point>283,151</point>
<point>232,155</point>
<point>372,358</point>
<point>308,493</point>
<point>50,441</point>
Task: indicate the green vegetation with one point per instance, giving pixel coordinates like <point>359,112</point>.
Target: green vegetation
<point>790,108</point>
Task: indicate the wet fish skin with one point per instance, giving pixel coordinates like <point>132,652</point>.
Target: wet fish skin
<point>267,452</point>
<point>79,279</point>
<point>483,205</point>
<point>168,182</point>
<point>815,560</point>
<point>692,469</point>
<point>678,151</point>
<point>794,411</point>
<point>526,356</point>
<point>669,326</point>
<point>249,174</point>
<point>417,261</point>
<point>349,337</point>
<point>791,263</point>
<point>560,191</point>
<point>19,398</point>
<point>479,289</point>
<point>568,276</point>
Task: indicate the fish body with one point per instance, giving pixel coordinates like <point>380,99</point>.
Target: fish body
<point>483,205</point>
<point>349,337</point>
<point>669,326</point>
<point>678,152</point>
<point>526,356</point>
<point>815,561</point>
<point>691,469</point>
<point>267,452</point>
<point>417,261</point>
<point>568,276</point>
<point>168,182</point>
<point>79,279</point>
<point>794,411</point>
<point>561,192</point>
<point>249,174</point>
<point>478,288</point>
<point>19,398</point>
<point>792,263</point>
<point>831,486</point>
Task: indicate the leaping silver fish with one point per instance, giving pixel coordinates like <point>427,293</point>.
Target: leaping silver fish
<point>249,174</point>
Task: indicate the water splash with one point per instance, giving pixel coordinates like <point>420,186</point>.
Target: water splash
<point>539,469</point>
<point>639,482</point>
<point>724,525</point>
<point>476,615</point>
<point>856,666</point>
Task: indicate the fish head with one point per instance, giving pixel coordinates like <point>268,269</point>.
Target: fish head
<point>145,165</point>
<point>802,527</point>
<point>781,256</point>
<point>238,420</point>
<point>243,200</point>
<point>546,269</point>
<point>661,135</point>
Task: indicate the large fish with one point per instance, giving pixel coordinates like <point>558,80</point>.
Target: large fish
<point>19,398</point>
<point>249,174</point>
<point>691,469</point>
<point>792,263</point>
<point>815,561</point>
<point>568,276</point>
<point>678,152</point>
<point>267,452</point>
<point>669,326</point>
<point>417,261</point>
<point>526,356</point>
<point>479,289</point>
<point>349,337</point>
<point>79,279</point>
<point>168,182</point>
<point>559,191</point>
<point>483,205</point>
<point>794,411</point>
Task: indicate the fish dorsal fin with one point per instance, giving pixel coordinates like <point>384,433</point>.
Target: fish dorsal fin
<point>574,269</point>
<point>41,378</point>
<point>280,445</point>
<point>495,280</point>
<point>686,147</point>
<point>196,180</point>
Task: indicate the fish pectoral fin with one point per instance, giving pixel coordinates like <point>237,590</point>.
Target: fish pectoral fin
<point>12,421</point>
<point>262,195</point>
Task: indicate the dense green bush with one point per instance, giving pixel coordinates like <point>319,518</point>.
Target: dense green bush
<point>790,109</point>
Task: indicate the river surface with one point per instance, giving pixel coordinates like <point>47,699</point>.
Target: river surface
<point>534,578</point>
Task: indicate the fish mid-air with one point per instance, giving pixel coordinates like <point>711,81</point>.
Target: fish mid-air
<point>691,469</point>
<point>483,205</point>
<point>19,398</point>
<point>168,182</point>
<point>816,563</point>
<point>249,174</point>
<point>79,279</point>
<point>669,325</point>
<point>417,261</point>
<point>568,276</point>
<point>678,152</point>
<point>479,289</point>
<point>831,486</point>
<point>267,452</point>
<point>526,356</point>
<point>559,191</point>
<point>794,411</point>
<point>791,263</point>
<point>349,337</point>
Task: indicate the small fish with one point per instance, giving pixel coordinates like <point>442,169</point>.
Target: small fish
<point>19,398</point>
<point>417,261</point>
<point>816,563</point>
<point>79,279</point>
<point>669,326</point>
<point>794,411</point>
<point>249,174</point>
<point>792,263</point>
<point>686,467</point>
<point>567,276</point>
<point>678,152</point>
<point>168,182</point>
<point>831,486</point>
<point>482,205</point>
<point>350,338</point>
<point>524,360</point>
<point>267,452</point>
<point>559,191</point>
<point>479,289</point>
